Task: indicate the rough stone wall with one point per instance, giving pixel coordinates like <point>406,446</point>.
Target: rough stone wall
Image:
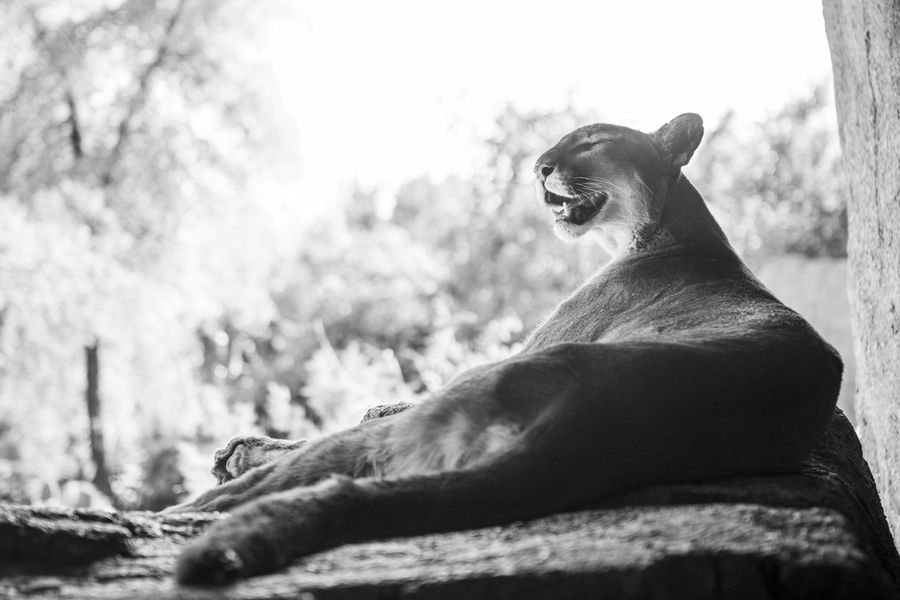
<point>864,36</point>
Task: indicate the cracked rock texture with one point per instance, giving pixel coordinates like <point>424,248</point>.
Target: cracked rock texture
<point>817,534</point>
<point>864,37</point>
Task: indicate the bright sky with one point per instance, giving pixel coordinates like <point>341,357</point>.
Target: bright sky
<point>382,91</point>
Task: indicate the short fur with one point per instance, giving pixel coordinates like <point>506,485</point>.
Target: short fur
<point>672,364</point>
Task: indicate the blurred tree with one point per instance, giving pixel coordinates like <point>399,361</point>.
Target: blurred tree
<point>779,184</point>
<point>122,124</point>
<point>357,277</point>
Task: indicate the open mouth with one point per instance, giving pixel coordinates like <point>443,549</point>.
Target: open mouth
<point>576,211</point>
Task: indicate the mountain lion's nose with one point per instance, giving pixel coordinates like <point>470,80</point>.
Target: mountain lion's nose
<point>543,171</point>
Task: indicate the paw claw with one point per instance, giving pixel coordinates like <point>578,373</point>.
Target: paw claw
<point>242,454</point>
<point>232,465</point>
<point>230,462</point>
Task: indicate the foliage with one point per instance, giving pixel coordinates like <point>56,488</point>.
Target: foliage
<point>123,126</point>
<point>779,187</point>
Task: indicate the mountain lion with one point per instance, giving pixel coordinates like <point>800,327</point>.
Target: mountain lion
<point>672,364</point>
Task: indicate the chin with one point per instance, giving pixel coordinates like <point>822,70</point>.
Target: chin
<point>569,232</point>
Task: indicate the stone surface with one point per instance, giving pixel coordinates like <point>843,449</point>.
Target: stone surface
<point>817,534</point>
<point>864,37</point>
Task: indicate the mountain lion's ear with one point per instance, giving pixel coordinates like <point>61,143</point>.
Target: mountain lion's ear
<point>679,138</point>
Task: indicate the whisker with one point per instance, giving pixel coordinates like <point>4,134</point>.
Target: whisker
<point>598,184</point>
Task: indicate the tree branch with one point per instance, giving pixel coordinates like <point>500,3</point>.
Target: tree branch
<point>74,126</point>
<point>140,96</point>
<point>41,37</point>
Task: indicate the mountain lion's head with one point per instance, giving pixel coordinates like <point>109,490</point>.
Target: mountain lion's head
<point>614,180</point>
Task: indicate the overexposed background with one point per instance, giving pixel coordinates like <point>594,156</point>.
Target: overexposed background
<point>265,217</point>
<point>423,79</point>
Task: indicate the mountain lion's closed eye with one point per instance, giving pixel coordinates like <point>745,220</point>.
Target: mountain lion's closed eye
<point>671,364</point>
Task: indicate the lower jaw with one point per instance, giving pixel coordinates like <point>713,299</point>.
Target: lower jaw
<point>565,230</point>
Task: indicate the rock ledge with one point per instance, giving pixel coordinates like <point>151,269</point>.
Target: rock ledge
<point>817,534</point>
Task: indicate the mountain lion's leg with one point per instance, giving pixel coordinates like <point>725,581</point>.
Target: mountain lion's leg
<point>266,534</point>
<point>639,414</point>
<point>470,418</point>
<point>243,453</point>
<point>346,453</point>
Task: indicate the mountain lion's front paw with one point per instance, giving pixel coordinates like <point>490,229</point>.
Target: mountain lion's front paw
<point>208,564</point>
<point>241,454</point>
<point>264,535</point>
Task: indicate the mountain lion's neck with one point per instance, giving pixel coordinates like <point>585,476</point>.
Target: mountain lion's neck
<point>687,219</point>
